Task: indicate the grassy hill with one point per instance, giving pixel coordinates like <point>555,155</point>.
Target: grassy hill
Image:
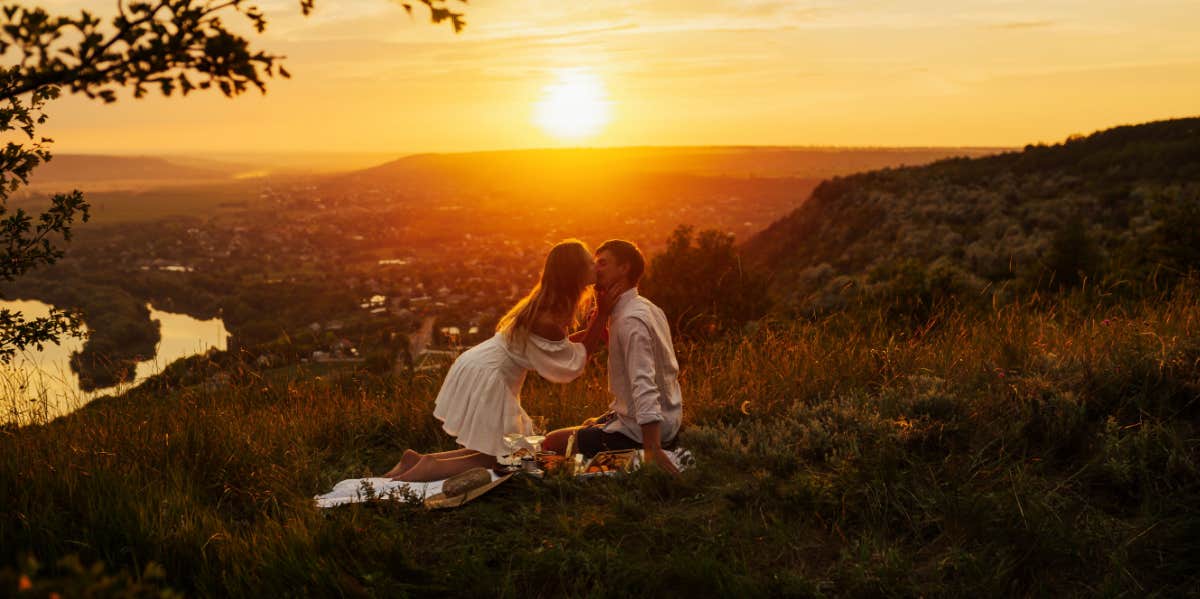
<point>1037,450</point>
<point>1119,206</point>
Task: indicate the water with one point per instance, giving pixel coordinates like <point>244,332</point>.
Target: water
<point>39,385</point>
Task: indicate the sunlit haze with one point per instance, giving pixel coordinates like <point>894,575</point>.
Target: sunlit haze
<point>368,78</point>
<point>574,106</point>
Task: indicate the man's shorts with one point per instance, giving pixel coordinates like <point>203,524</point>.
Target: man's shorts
<point>591,439</point>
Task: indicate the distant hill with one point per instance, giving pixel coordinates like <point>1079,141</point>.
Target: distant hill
<point>587,165</point>
<point>636,193</point>
<point>1118,205</point>
<point>84,168</point>
<point>639,193</point>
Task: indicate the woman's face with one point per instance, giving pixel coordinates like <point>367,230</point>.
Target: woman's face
<point>589,274</point>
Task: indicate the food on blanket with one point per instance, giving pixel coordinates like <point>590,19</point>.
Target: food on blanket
<point>608,462</point>
<point>612,461</point>
<point>461,483</point>
<point>550,462</point>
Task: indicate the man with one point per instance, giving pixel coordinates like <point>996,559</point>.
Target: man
<point>647,406</point>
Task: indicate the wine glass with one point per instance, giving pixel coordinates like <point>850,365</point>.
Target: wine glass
<point>539,434</point>
<point>535,443</point>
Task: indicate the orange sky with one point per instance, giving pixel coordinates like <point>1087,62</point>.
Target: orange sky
<point>674,72</point>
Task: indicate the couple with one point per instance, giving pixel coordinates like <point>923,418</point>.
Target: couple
<point>480,402</point>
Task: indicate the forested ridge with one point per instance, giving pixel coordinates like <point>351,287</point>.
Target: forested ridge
<point>1118,207</point>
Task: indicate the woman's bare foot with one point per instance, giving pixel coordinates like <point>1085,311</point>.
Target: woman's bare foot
<point>407,461</point>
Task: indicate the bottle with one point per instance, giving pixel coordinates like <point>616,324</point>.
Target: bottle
<point>570,451</point>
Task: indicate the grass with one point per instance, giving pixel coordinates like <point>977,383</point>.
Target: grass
<point>1046,448</point>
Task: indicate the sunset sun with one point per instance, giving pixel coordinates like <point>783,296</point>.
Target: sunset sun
<point>573,107</point>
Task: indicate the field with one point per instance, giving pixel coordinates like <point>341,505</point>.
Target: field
<point>1047,447</point>
<point>142,204</point>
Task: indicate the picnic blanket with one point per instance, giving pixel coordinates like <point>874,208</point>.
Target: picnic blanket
<point>358,490</point>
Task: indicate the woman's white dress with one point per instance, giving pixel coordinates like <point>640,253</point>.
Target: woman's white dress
<point>480,400</point>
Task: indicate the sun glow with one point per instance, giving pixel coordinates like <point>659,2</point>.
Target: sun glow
<point>575,106</point>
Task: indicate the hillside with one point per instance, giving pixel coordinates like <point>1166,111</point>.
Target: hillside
<point>1026,453</point>
<point>1119,205</point>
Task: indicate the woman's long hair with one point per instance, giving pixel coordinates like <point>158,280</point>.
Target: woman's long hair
<point>562,291</point>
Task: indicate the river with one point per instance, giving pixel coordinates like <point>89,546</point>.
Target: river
<point>40,385</point>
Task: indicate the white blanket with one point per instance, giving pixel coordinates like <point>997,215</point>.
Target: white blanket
<point>357,490</point>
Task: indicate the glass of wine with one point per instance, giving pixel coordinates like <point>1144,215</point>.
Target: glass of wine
<point>538,435</point>
<point>534,442</point>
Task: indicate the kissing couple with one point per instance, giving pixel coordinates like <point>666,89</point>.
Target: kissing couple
<point>480,399</point>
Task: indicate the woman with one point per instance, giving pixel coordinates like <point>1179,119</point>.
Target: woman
<point>479,401</point>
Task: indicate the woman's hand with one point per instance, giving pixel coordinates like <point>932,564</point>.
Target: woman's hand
<point>596,333</point>
<point>606,298</point>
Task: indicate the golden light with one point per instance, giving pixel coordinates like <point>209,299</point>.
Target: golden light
<point>575,106</point>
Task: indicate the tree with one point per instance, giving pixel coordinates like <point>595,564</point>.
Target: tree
<point>1074,255</point>
<point>702,285</point>
<point>165,45</point>
<point>1174,243</point>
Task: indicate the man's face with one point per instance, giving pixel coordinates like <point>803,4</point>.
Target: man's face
<point>609,270</point>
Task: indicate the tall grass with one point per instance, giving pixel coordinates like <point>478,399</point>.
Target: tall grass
<point>1043,448</point>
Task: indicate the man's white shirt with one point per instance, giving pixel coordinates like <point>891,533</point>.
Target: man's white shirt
<point>642,369</point>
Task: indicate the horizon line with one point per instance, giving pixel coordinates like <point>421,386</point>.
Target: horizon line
<point>151,153</point>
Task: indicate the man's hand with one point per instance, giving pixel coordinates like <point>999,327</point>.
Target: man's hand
<point>652,448</point>
<point>659,457</point>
